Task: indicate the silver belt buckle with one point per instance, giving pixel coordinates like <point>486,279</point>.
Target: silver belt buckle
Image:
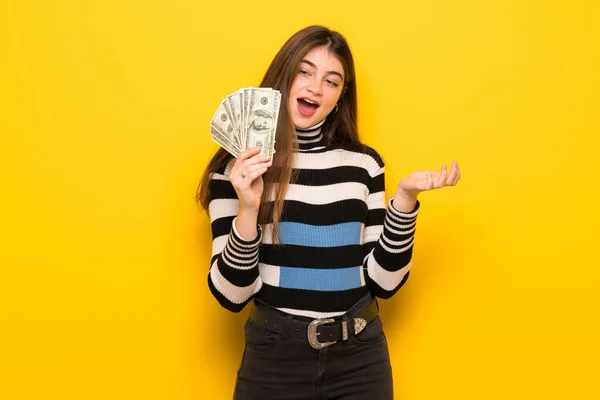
<point>312,333</point>
<point>359,325</point>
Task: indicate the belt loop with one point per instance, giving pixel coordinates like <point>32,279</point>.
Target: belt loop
<point>345,320</point>
<point>345,329</point>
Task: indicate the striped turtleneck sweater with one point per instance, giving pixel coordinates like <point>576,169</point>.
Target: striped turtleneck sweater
<point>339,239</point>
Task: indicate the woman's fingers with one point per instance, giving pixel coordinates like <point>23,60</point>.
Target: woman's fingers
<point>448,179</point>
<point>255,173</point>
<point>250,173</point>
<point>248,153</point>
<point>428,180</point>
<point>441,180</point>
<point>251,168</point>
<point>248,157</point>
<point>246,163</point>
<point>453,176</point>
<point>257,164</point>
<point>254,160</point>
<point>456,175</point>
<point>243,175</point>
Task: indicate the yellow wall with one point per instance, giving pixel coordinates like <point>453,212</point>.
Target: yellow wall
<point>104,116</point>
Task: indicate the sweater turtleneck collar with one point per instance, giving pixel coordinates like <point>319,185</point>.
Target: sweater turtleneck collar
<point>310,137</point>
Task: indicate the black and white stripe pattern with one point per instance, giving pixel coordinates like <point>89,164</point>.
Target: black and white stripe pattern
<point>233,277</point>
<point>340,240</point>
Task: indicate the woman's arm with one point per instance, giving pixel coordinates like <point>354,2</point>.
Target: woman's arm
<point>389,234</point>
<point>233,278</point>
<point>389,237</point>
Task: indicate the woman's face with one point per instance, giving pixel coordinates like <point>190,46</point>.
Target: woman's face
<point>316,88</point>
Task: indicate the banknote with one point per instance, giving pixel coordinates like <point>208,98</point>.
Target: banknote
<point>223,123</point>
<point>234,107</point>
<point>246,98</point>
<point>247,118</point>
<point>263,114</point>
<point>223,142</point>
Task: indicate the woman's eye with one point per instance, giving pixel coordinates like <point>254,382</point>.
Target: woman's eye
<point>332,83</point>
<point>302,72</point>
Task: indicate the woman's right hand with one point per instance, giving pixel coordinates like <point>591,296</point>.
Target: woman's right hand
<point>246,178</point>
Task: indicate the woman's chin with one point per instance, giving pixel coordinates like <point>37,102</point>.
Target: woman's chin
<point>303,124</point>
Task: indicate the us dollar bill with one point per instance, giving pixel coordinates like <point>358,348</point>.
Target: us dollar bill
<point>261,125</point>
<point>245,109</point>
<point>247,118</point>
<point>234,107</point>
<point>221,141</point>
<point>223,123</point>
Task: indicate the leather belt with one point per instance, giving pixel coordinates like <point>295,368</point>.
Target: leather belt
<point>321,332</point>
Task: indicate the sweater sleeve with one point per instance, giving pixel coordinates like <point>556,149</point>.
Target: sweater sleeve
<point>233,278</point>
<point>388,241</point>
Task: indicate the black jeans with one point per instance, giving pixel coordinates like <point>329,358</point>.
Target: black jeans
<point>276,366</point>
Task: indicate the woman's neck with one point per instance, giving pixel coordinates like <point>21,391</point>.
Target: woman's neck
<point>310,137</point>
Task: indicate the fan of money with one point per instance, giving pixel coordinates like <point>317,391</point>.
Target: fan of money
<point>245,119</point>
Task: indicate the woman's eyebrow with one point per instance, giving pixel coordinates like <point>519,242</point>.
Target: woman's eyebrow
<point>328,72</point>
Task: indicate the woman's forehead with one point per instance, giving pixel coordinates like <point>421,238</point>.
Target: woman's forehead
<point>321,57</point>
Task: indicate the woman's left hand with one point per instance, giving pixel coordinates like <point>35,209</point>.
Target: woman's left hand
<point>422,181</point>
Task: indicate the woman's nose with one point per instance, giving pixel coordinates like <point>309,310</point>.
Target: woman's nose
<point>314,88</point>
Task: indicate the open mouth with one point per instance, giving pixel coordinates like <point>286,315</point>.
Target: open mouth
<point>307,107</point>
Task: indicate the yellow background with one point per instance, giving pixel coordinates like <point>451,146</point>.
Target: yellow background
<point>105,108</point>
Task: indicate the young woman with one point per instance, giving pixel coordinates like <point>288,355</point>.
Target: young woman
<point>308,238</point>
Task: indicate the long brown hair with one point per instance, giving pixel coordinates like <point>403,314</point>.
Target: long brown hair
<point>339,129</point>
